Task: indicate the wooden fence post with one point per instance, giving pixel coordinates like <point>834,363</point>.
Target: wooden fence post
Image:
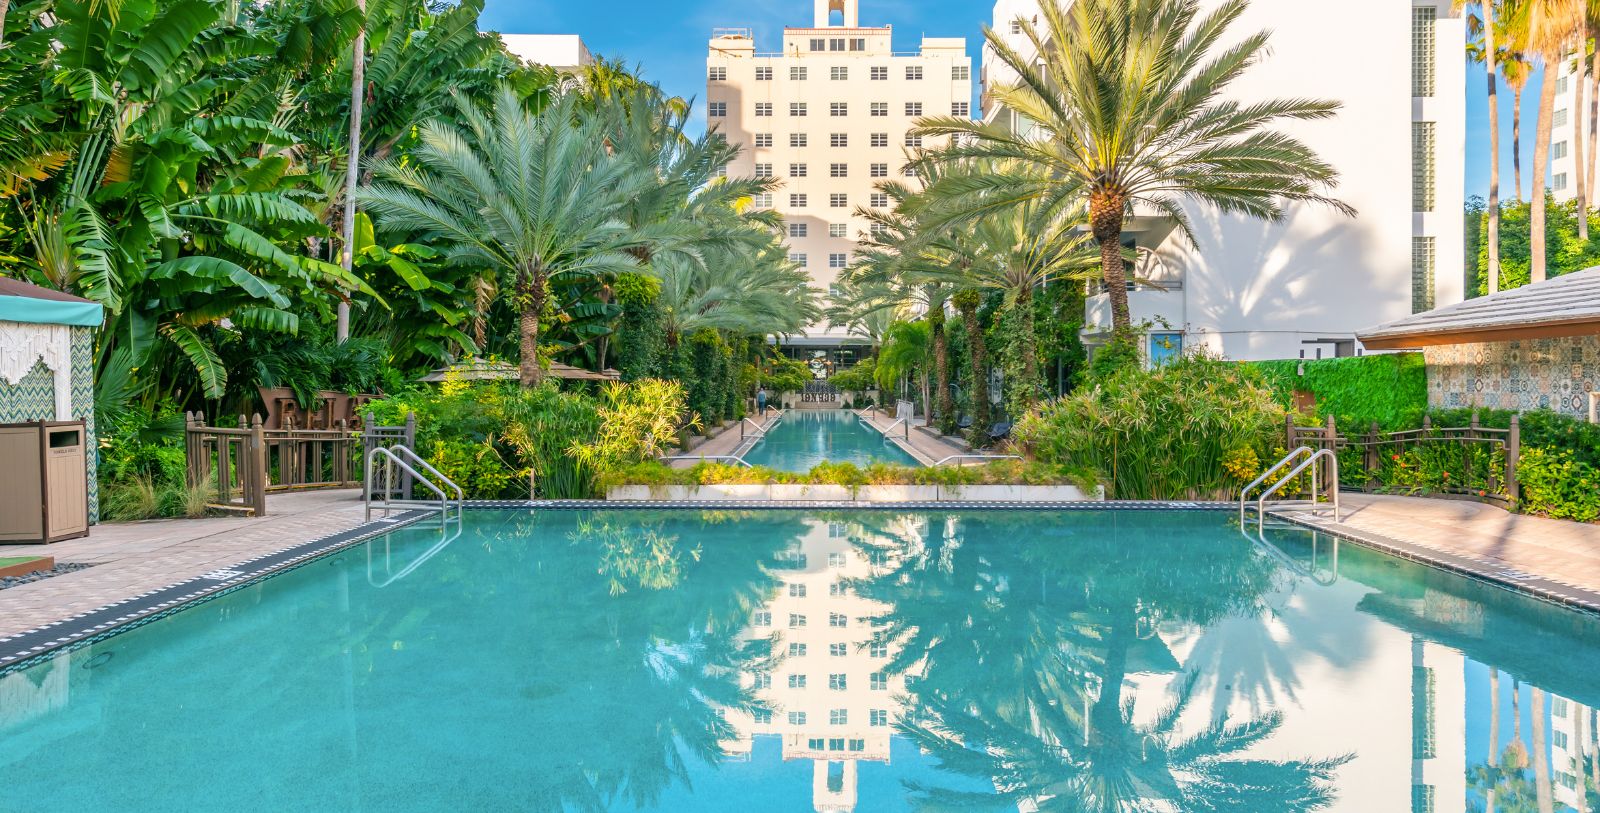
<point>1372,456</point>
<point>255,473</point>
<point>1288,432</point>
<point>1513,452</point>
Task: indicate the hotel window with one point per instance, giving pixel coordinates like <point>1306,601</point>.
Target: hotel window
<point>838,171</point>
<point>762,200</point>
<point>763,139</point>
<point>836,230</point>
<point>1422,166</point>
<point>910,171</point>
<point>839,717</point>
<point>763,170</point>
<point>763,74</point>
<point>797,718</point>
<point>717,110</point>
<point>1559,119</point>
<point>858,745</point>
<point>836,743</point>
<point>838,650</point>
<point>880,108</point>
<point>878,717</point>
<point>838,200</point>
<point>796,620</point>
<point>836,44</point>
<point>761,619</point>
<point>797,650</point>
<point>1561,86</point>
<point>797,681</point>
<point>913,72</point>
<point>1558,150</point>
<point>878,649</point>
<point>1422,255</point>
<point>913,108</point>
<point>797,590</point>
<point>913,140</point>
<point>838,261</point>
<point>859,44</point>
<point>797,73</point>
<point>761,716</point>
<point>800,260</point>
<point>817,744</point>
<point>961,73</point>
<point>838,140</point>
<point>718,74</point>
<point>797,109</point>
<point>797,139</point>
<point>797,230</point>
<point>879,200</point>
<point>836,560</point>
<point>1016,26</point>
<point>960,108</point>
<point>880,682</point>
<point>1559,181</point>
<point>838,530</point>
<point>797,170</point>
<point>817,45</point>
<point>763,680</point>
<point>1422,43</point>
<point>837,73</point>
<point>879,171</point>
<point>838,620</point>
<point>877,228</point>
<point>879,73</point>
<point>839,588</point>
<point>763,109</point>
<point>880,139</point>
<point>838,109</point>
<point>836,682</point>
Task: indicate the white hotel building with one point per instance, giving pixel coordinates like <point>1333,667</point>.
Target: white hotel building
<point>1565,118</point>
<point>828,114</point>
<point>1303,286</point>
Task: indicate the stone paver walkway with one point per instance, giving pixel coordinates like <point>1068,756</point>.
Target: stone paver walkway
<point>928,447</point>
<point>1564,552</point>
<point>726,442</point>
<point>131,558</point>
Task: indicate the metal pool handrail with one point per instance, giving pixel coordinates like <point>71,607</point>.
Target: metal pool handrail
<point>945,460</point>
<point>1333,469</point>
<point>1289,561</point>
<point>1287,459</point>
<point>444,542</point>
<point>391,459</point>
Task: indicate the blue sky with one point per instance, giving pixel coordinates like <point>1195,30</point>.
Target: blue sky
<point>668,39</point>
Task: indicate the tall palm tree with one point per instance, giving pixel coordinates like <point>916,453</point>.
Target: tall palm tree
<point>1488,54</point>
<point>1128,102</point>
<point>1549,30</point>
<point>532,196</point>
<point>907,351</point>
<point>352,172</point>
<point>1516,68</point>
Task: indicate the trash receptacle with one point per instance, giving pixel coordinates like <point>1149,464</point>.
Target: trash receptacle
<point>44,488</point>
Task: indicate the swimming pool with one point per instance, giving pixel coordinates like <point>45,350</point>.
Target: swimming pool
<point>679,660</point>
<point>802,438</point>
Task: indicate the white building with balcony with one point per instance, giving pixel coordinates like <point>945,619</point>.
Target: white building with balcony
<point>1303,286</point>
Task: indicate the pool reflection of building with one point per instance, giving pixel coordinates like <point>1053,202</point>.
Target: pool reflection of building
<point>829,695</point>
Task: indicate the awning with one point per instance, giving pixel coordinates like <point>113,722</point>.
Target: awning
<point>1568,305</point>
<point>31,304</point>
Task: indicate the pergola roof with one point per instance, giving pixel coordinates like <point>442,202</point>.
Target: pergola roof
<point>25,302</point>
<point>1568,305</point>
<point>484,370</point>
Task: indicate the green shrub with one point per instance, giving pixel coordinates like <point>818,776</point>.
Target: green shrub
<point>1169,433</point>
<point>1002,472</point>
<point>859,377</point>
<point>1556,484</point>
<point>1391,389</point>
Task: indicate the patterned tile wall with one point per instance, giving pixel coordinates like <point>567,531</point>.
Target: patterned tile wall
<point>34,398</point>
<point>1554,374</point>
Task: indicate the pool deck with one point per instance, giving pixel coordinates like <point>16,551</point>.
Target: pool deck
<point>1555,558</point>
<point>131,558</point>
<point>926,446</point>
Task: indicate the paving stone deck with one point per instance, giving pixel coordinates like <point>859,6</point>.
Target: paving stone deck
<point>136,557</point>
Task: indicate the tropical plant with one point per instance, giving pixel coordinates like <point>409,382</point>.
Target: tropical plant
<point>907,354</point>
<point>1548,30</point>
<point>1128,108</point>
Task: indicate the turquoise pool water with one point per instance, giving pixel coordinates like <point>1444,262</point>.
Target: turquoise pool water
<point>779,661</point>
<point>802,438</point>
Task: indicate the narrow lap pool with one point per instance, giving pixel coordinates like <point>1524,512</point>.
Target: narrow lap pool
<point>680,660</point>
<point>802,438</point>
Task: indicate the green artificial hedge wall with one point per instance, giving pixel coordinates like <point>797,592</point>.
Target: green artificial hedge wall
<point>1391,389</point>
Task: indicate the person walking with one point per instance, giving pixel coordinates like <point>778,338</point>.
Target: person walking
<point>761,401</point>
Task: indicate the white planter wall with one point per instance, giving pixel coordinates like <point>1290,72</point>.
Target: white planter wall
<point>862,494</point>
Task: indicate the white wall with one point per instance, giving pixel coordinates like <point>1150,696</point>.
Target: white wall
<point>560,51</point>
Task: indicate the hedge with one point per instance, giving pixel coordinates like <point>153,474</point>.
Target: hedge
<point>1391,388</point>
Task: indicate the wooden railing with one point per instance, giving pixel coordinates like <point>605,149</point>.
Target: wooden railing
<point>240,466</point>
<point>1477,461</point>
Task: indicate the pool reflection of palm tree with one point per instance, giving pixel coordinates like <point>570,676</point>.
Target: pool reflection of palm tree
<point>1021,654</point>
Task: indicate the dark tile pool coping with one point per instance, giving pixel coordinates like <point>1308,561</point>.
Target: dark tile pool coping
<point>33,646</point>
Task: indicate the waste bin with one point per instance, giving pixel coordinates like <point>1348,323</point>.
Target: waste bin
<point>44,488</point>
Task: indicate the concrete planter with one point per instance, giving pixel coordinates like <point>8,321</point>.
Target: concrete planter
<point>897,493</point>
<point>1010,494</point>
<point>810,492</point>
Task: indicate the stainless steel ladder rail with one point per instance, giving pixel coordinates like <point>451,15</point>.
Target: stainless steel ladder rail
<point>446,537</point>
<point>1309,573</point>
<point>1287,459</point>
<point>1316,485</point>
<point>397,456</point>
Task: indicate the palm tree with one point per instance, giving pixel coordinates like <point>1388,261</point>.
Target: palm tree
<point>1549,29</point>
<point>1127,104</point>
<point>532,196</point>
<point>755,293</point>
<point>907,349</point>
<point>1514,66</point>
<point>1488,53</point>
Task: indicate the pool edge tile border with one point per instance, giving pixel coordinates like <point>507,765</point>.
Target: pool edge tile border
<point>1532,585</point>
<point>26,648</point>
